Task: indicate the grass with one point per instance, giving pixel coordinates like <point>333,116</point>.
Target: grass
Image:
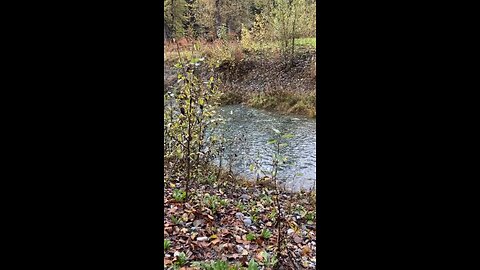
<point>226,50</point>
<point>274,45</point>
<point>289,102</point>
<point>183,54</point>
<point>215,52</point>
<point>306,42</point>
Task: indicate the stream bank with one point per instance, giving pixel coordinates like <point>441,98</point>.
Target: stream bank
<point>264,82</point>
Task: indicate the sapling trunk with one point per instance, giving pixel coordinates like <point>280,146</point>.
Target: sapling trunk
<point>189,138</point>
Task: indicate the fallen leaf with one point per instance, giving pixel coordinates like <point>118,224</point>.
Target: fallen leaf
<point>203,244</point>
<point>235,256</point>
<point>306,250</point>
<point>238,239</point>
<point>259,256</point>
<point>203,238</point>
<point>198,222</point>
<point>297,239</point>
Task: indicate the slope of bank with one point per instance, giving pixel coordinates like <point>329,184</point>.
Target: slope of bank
<point>266,81</point>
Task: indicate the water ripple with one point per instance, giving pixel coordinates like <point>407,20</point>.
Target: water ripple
<point>256,128</point>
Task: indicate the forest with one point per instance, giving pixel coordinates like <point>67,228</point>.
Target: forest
<point>215,19</point>
<point>239,134</point>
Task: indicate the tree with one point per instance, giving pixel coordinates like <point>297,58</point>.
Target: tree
<point>219,16</point>
<point>291,19</point>
<point>204,11</point>
<point>174,16</point>
<point>279,19</point>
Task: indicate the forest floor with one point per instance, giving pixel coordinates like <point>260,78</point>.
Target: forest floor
<point>231,223</point>
<point>259,77</point>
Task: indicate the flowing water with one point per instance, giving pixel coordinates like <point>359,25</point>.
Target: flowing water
<point>249,130</point>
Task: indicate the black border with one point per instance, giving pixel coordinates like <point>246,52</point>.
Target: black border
<point>89,83</point>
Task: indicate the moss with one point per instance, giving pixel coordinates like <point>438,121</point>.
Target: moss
<point>232,97</point>
<point>285,102</point>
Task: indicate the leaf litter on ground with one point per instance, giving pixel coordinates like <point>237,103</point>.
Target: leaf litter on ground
<point>208,231</point>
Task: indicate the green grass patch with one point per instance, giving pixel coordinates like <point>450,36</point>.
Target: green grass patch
<point>310,42</point>
<point>225,51</point>
<point>285,102</point>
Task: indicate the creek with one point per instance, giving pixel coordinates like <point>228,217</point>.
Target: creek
<point>248,130</point>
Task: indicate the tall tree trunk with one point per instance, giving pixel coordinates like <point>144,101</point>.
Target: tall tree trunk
<point>191,18</point>
<point>218,19</point>
<point>293,32</point>
<point>167,32</point>
<point>173,17</point>
<point>229,25</point>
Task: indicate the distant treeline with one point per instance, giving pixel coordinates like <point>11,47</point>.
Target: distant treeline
<point>225,19</point>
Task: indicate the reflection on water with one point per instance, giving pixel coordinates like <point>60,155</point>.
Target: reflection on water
<point>249,130</point>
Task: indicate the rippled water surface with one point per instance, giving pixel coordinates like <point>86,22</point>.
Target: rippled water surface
<point>250,129</point>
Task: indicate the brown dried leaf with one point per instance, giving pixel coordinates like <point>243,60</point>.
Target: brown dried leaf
<point>259,256</point>
<point>198,222</point>
<point>306,250</point>
<point>203,244</point>
<point>238,239</point>
<point>235,256</point>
